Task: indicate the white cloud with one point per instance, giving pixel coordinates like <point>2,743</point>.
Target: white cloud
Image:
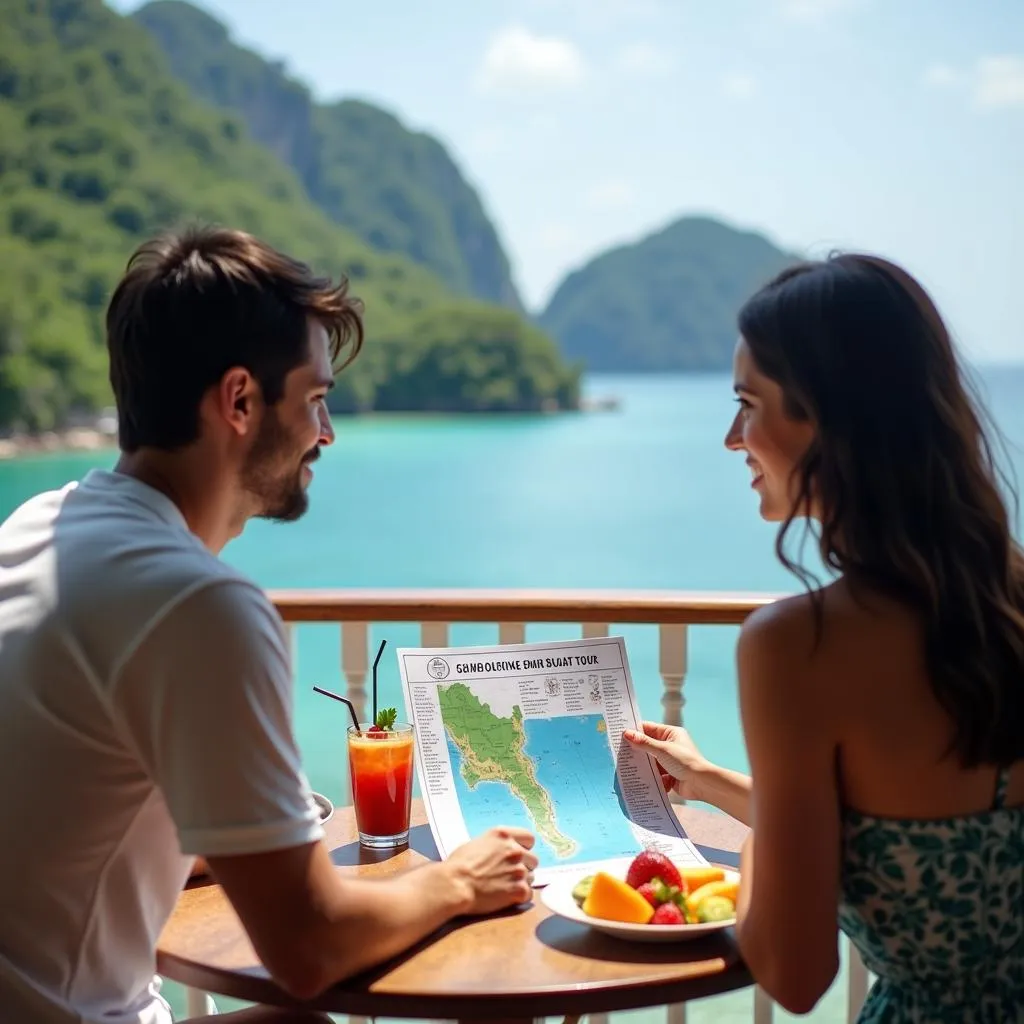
<point>644,59</point>
<point>520,61</point>
<point>739,86</point>
<point>941,76</point>
<point>999,82</point>
<point>993,82</point>
<point>610,195</point>
<point>813,10</point>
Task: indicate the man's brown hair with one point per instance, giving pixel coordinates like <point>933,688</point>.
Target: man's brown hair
<point>192,305</point>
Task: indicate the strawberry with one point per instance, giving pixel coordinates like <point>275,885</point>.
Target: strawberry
<point>650,864</point>
<point>648,892</point>
<point>385,720</point>
<point>668,913</point>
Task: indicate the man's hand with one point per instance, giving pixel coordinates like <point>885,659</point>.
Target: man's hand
<point>495,870</point>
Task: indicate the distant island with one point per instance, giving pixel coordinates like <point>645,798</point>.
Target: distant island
<point>665,303</point>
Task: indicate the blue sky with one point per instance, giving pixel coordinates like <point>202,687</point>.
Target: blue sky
<point>895,126</point>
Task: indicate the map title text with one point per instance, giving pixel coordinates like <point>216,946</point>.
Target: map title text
<point>522,664</point>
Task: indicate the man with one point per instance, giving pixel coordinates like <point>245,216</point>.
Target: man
<point>145,687</point>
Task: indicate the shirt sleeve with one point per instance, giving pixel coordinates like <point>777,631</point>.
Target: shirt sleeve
<point>205,701</point>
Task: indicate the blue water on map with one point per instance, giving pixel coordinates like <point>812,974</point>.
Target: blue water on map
<point>574,764</point>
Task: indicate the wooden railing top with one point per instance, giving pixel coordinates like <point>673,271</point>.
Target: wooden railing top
<point>604,606</point>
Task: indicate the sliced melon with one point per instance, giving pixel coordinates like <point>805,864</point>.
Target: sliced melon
<point>613,900</point>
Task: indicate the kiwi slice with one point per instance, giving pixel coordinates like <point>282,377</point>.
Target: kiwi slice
<point>581,890</point>
<point>715,908</point>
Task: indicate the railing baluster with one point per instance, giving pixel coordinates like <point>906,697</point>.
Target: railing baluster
<point>592,630</point>
<point>857,982</point>
<point>676,1013</point>
<point>355,660</point>
<point>511,632</point>
<point>764,1007</point>
<point>198,1003</point>
<point>672,665</point>
<point>433,634</point>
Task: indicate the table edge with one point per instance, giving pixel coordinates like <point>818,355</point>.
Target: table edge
<point>596,997</point>
<point>719,974</point>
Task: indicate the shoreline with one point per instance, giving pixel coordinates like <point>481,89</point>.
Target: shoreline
<point>56,442</point>
<point>103,436</point>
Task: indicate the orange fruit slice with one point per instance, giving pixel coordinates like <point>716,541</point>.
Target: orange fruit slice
<point>695,877</point>
<point>612,900</point>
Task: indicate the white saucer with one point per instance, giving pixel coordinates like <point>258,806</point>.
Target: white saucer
<point>557,897</point>
<point>325,805</point>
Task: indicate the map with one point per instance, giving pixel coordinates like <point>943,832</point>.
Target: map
<point>554,776</point>
<point>530,735</point>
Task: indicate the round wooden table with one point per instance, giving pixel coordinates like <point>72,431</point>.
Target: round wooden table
<point>520,964</point>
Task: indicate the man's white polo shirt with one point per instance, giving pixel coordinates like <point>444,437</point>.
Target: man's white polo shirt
<point>145,718</point>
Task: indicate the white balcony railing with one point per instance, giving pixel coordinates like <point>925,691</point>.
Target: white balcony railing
<point>595,612</point>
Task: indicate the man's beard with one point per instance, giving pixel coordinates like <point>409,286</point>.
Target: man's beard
<point>273,473</point>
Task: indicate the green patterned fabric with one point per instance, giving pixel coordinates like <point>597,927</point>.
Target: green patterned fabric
<point>936,910</point>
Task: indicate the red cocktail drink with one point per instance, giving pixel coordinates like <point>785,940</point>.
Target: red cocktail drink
<point>380,767</point>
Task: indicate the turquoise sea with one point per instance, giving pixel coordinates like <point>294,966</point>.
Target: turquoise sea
<point>642,497</point>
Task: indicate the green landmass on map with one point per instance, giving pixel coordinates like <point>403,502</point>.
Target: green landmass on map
<point>493,750</point>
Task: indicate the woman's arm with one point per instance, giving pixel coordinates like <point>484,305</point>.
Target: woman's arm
<point>725,789</point>
<point>786,916</point>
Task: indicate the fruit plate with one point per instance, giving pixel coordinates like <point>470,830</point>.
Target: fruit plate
<point>557,897</point>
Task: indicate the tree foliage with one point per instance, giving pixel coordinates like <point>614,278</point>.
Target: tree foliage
<point>397,189</point>
<point>99,147</point>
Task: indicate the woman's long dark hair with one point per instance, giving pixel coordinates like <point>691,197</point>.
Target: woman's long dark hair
<point>904,477</point>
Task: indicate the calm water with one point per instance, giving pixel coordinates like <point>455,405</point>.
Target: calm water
<point>645,497</point>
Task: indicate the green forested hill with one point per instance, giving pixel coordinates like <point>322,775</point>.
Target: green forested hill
<point>397,189</point>
<point>667,302</point>
<point>100,146</point>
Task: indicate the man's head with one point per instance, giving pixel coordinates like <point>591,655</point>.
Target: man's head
<point>217,339</point>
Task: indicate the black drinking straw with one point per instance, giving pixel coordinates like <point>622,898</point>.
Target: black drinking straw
<point>344,700</point>
<point>376,661</point>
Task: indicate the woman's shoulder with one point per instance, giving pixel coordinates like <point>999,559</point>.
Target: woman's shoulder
<point>820,614</point>
<point>824,634</point>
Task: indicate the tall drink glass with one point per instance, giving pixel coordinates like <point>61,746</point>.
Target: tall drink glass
<point>380,767</point>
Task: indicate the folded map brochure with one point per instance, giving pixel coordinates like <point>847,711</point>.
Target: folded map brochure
<point>531,735</point>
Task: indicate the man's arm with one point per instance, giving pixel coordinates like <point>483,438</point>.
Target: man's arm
<point>312,926</point>
<point>205,701</point>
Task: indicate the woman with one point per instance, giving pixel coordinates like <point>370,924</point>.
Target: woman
<point>883,712</point>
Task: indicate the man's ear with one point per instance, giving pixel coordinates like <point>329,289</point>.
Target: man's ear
<point>239,400</point>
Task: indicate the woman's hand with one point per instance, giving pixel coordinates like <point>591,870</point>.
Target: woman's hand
<point>686,770</point>
<point>680,762</point>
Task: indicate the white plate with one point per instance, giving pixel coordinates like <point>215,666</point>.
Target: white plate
<point>557,897</point>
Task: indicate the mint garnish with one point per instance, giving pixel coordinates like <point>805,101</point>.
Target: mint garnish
<point>386,718</point>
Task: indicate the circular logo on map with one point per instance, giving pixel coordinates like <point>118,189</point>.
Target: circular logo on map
<point>438,668</point>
